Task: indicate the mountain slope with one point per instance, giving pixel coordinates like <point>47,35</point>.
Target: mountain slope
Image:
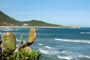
<point>5,20</point>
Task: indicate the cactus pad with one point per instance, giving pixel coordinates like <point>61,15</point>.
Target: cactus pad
<point>9,41</point>
<point>32,35</point>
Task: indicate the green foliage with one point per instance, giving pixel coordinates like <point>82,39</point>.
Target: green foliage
<point>9,47</point>
<point>21,38</point>
<point>5,20</point>
<point>6,55</point>
<point>20,55</point>
<point>39,23</point>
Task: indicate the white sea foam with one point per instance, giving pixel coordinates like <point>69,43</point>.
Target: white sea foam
<point>40,44</point>
<point>84,32</point>
<point>48,47</point>
<point>67,55</point>
<point>64,57</point>
<point>10,29</point>
<point>72,57</point>
<point>76,41</point>
<point>49,51</point>
<point>84,56</point>
<point>7,29</point>
<point>43,51</point>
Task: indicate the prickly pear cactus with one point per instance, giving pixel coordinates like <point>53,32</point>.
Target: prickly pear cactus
<point>21,38</point>
<point>9,41</point>
<point>32,35</point>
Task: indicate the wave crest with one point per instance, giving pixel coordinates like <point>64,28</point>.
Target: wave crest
<point>49,50</point>
<point>84,32</point>
<point>40,44</point>
<point>73,57</point>
<point>76,41</point>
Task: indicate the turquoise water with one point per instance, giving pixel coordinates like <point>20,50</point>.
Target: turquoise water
<point>58,43</point>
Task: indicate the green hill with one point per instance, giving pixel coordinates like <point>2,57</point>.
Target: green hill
<point>5,20</point>
<point>39,23</point>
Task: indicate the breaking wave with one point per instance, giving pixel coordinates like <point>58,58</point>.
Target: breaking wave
<point>40,44</point>
<point>49,50</point>
<point>84,32</point>
<point>73,57</point>
<point>68,55</point>
<point>11,29</point>
<point>48,47</point>
<point>76,41</point>
<point>63,55</point>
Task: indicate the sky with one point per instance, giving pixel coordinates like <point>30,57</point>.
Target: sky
<point>62,12</point>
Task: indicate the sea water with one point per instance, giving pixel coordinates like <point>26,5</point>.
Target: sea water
<point>57,43</point>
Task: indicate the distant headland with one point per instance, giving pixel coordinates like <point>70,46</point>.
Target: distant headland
<point>6,20</point>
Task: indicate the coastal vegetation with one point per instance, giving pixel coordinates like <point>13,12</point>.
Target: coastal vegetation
<point>9,51</point>
<point>5,20</point>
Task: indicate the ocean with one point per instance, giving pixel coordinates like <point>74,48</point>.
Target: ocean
<point>57,43</point>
